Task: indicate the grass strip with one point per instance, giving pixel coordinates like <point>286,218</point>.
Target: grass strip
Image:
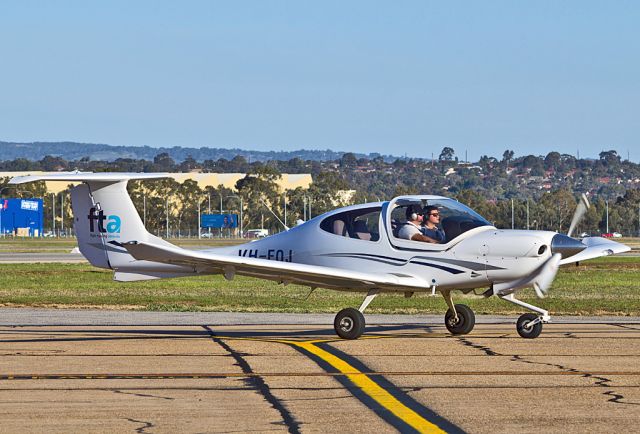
<point>606,286</point>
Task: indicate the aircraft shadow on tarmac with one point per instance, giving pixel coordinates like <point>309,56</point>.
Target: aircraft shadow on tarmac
<point>63,335</point>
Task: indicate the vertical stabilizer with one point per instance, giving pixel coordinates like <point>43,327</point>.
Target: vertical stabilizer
<point>104,218</point>
<point>110,220</point>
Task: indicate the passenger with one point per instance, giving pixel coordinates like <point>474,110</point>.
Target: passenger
<point>410,230</point>
<point>430,223</point>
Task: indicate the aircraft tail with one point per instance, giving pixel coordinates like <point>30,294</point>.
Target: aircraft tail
<point>104,218</point>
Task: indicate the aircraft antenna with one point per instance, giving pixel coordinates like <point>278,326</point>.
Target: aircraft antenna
<point>286,228</point>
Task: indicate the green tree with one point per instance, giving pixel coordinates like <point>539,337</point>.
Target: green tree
<point>447,154</point>
<point>260,191</point>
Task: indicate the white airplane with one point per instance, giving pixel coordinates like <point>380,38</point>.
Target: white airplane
<point>355,248</point>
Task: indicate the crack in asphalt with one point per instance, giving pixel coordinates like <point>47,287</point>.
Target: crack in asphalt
<point>488,351</point>
<point>257,383</point>
<point>600,381</point>
<point>616,398</point>
<point>145,425</point>
<point>626,327</point>
<point>142,395</point>
<point>332,398</point>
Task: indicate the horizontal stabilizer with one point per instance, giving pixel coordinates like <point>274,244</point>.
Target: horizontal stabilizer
<point>87,177</point>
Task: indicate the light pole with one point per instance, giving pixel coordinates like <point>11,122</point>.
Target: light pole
<point>209,212</point>
<point>307,207</point>
<point>285,208</point>
<point>61,211</point>
<point>241,207</point>
<point>607,206</point>
<point>53,214</point>
<point>513,221</point>
<point>167,219</point>
<point>220,212</point>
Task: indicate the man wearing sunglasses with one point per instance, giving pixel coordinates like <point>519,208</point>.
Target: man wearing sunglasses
<point>411,230</point>
<point>430,224</point>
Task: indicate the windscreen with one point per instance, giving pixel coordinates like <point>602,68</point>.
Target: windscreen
<point>456,218</point>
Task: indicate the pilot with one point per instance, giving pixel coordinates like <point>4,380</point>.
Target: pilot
<point>410,230</point>
<point>430,223</point>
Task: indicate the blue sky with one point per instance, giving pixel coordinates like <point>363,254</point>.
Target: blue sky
<point>363,76</point>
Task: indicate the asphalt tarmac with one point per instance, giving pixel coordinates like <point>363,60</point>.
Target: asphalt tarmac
<point>149,372</point>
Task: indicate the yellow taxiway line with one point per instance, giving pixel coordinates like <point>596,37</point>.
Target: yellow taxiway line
<point>361,380</point>
<point>373,389</point>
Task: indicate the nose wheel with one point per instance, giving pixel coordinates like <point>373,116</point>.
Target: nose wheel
<point>529,326</point>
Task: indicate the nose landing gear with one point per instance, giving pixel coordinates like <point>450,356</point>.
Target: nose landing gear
<point>529,325</point>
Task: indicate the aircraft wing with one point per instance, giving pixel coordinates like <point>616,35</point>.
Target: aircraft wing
<point>596,247</point>
<point>283,272</point>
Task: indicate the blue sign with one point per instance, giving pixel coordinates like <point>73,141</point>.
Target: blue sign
<point>21,214</point>
<point>219,221</point>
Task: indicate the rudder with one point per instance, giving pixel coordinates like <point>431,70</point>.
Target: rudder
<point>104,219</point>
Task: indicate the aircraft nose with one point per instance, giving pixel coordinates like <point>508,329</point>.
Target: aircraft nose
<point>566,246</point>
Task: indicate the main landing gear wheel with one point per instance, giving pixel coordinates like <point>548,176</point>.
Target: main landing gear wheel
<point>463,324</point>
<point>349,323</point>
<point>526,326</point>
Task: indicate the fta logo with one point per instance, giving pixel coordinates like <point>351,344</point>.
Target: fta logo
<point>97,222</point>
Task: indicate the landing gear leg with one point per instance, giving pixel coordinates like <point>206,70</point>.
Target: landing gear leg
<point>349,323</point>
<point>459,319</point>
<point>529,325</point>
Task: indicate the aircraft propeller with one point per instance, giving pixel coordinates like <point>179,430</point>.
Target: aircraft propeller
<point>581,209</point>
<point>561,246</point>
<point>547,274</point>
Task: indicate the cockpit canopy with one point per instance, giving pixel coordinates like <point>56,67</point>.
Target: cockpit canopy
<point>363,222</point>
<point>455,218</point>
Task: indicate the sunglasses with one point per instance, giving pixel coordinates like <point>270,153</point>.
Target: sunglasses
<point>437,214</point>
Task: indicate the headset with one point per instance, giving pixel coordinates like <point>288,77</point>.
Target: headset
<point>414,214</point>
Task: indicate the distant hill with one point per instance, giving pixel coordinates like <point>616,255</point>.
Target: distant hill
<point>74,151</point>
